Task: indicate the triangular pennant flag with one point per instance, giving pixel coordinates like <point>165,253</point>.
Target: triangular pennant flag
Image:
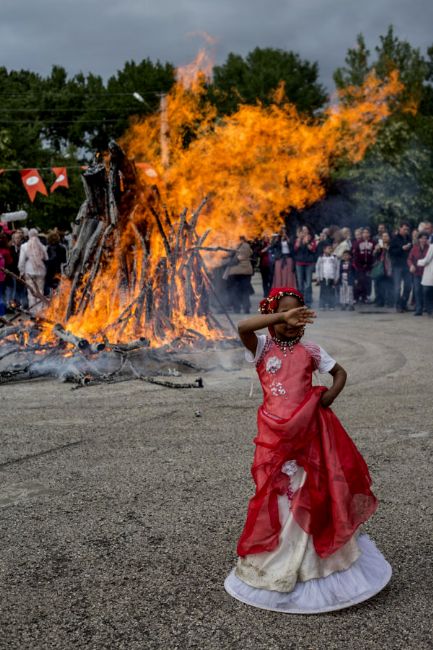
<point>61,178</point>
<point>33,183</point>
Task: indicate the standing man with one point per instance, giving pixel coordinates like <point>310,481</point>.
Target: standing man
<point>399,250</point>
<point>428,228</point>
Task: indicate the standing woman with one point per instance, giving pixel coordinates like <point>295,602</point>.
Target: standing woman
<point>56,258</point>
<point>31,265</point>
<point>239,277</point>
<point>284,273</point>
<point>266,264</point>
<point>305,262</point>
<point>382,273</point>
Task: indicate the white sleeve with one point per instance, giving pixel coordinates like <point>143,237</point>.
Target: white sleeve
<point>22,259</point>
<point>322,361</point>
<point>428,258</point>
<point>261,340</point>
<point>326,362</point>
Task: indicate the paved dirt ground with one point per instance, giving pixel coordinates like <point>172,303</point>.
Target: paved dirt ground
<point>121,508</point>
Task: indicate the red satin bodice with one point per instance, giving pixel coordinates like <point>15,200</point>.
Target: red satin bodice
<point>285,377</point>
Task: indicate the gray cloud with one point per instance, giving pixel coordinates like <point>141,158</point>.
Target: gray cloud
<point>100,35</point>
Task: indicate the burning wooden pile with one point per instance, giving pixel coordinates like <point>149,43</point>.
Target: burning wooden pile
<point>134,297</point>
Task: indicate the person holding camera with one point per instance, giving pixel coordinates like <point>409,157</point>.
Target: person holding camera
<point>399,250</point>
<point>305,261</point>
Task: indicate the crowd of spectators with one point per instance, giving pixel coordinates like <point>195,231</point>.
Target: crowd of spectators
<point>390,269</point>
<point>33,257</point>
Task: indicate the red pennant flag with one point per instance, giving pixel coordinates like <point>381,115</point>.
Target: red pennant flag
<point>61,178</point>
<point>148,169</point>
<point>33,183</point>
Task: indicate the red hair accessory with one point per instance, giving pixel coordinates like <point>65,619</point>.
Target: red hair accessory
<point>269,305</point>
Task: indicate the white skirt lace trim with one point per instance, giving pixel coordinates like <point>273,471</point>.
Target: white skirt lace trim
<point>363,579</point>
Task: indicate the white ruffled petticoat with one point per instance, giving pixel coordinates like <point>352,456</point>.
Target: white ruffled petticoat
<point>366,577</point>
<point>294,580</point>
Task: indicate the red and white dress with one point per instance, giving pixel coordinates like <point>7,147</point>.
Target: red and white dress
<point>300,550</point>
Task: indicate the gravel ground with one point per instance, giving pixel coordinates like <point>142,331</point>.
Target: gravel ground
<point>121,507</point>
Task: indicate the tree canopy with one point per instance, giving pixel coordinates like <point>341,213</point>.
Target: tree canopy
<point>61,120</point>
<point>395,179</point>
<point>257,76</point>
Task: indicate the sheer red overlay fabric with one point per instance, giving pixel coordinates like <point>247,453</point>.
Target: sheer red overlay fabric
<point>335,498</point>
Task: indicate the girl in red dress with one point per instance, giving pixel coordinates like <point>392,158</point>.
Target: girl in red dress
<point>300,550</point>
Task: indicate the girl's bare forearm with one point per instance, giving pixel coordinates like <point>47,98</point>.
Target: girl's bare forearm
<point>259,322</point>
<point>339,377</point>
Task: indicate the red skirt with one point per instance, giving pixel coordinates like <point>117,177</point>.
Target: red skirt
<point>284,274</point>
<point>335,498</point>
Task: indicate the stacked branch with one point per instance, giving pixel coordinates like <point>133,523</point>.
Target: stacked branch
<point>114,223</point>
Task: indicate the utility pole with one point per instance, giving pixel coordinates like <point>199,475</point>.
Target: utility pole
<point>164,130</point>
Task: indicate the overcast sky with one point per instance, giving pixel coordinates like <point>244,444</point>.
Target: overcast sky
<point>100,35</point>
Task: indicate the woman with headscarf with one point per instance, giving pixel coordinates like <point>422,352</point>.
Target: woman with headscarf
<point>32,267</point>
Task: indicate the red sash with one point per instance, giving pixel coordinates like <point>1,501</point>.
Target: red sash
<point>335,498</point>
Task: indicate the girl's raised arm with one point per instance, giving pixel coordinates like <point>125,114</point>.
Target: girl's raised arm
<point>294,317</point>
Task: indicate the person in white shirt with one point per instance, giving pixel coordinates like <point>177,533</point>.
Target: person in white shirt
<point>327,272</point>
<point>427,280</point>
<point>31,265</point>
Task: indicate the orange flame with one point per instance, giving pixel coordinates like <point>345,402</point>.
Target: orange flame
<point>253,165</point>
<point>261,160</point>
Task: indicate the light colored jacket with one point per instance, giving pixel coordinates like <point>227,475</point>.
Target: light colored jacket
<point>342,247</point>
<point>244,266</point>
<point>320,268</point>
<point>427,263</point>
<point>25,263</point>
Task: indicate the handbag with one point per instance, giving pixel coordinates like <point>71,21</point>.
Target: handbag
<point>378,270</point>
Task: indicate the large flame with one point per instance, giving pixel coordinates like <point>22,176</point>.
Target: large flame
<point>260,161</point>
<point>253,166</point>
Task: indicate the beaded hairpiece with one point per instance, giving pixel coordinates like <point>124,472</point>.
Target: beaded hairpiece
<point>269,305</point>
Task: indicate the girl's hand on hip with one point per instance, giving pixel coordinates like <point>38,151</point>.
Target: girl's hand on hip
<point>326,399</point>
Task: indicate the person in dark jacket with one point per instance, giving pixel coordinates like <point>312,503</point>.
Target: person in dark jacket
<point>418,252</point>
<point>305,262</point>
<point>399,250</point>
<point>56,258</point>
<point>363,260</point>
<point>266,265</point>
<point>384,284</point>
<point>284,273</point>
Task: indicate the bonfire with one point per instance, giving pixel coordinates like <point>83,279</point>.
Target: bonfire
<point>136,290</point>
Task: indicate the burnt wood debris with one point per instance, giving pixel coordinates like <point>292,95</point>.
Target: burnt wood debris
<point>112,195</point>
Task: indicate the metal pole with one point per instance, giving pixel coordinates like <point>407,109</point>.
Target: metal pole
<point>164,130</point>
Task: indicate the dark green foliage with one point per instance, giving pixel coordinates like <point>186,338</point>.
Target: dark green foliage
<point>255,77</point>
<point>395,180</point>
<point>60,121</point>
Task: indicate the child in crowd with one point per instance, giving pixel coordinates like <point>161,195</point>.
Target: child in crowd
<point>299,551</point>
<point>327,273</point>
<point>346,281</point>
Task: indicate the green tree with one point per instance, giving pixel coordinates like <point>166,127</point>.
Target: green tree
<point>395,179</point>
<point>60,121</point>
<point>255,77</point>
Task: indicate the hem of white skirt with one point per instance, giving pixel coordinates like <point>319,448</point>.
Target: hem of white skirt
<point>370,566</point>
